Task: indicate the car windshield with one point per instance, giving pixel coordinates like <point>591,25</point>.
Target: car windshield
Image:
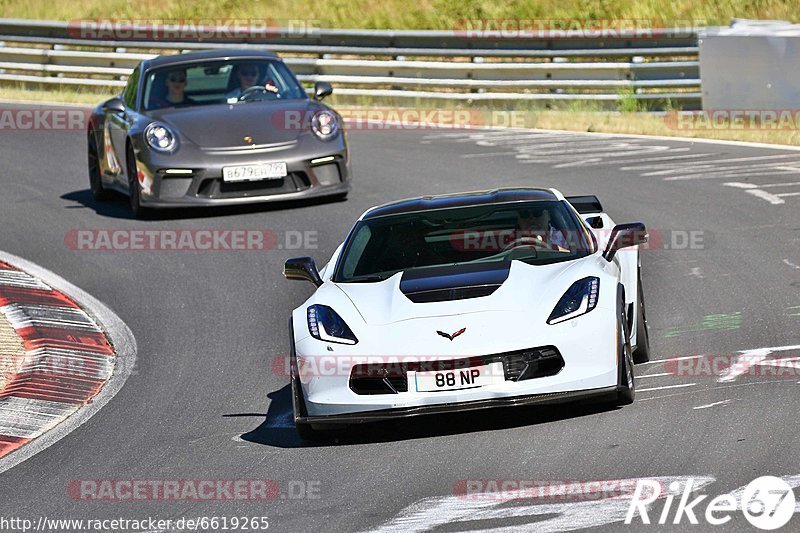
<point>538,233</point>
<point>218,82</point>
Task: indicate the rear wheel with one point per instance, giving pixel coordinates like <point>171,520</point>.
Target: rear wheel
<point>626,384</point>
<point>95,180</point>
<point>642,352</point>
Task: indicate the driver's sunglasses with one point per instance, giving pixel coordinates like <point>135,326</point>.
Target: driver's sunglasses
<point>177,79</point>
<point>249,73</point>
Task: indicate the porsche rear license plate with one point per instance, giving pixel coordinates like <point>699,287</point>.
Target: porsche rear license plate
<point>268,171</point>
<point>462,378</point>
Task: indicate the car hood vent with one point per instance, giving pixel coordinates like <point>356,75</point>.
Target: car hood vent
<point>459,282</point>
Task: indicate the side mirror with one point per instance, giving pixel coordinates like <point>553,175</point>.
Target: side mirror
<point>624,235</point>
<point>595,222</point>
<point>322,89</point>
<point>115,105</point>
<point>302,268</point>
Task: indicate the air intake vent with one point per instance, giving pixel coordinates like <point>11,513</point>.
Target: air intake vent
<point>458,282</point>
<point>456,293</point>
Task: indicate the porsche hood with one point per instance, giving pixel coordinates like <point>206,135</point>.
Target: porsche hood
<point>264,122</point>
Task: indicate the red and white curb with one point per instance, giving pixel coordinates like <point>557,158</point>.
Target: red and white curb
<point>77,355</point>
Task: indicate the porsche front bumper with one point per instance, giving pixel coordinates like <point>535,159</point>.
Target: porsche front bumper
<point>193,175</point>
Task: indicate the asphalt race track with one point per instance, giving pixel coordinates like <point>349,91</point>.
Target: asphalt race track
<point>205,401</point>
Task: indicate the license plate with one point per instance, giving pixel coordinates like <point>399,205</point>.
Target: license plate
<point>459,379</point>
<point>269,171</point>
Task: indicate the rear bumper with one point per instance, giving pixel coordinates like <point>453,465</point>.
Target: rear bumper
<point>407,412</point>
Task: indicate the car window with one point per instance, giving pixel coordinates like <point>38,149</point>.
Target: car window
<point>538,233</point>
<point>129,94</point>
<point>218,82</point>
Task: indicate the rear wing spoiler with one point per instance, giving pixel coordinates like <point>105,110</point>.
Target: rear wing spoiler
<point>585,204</point>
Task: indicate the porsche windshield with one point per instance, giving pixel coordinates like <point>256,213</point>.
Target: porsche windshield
<point>538,233</point>
<point>217,82</point>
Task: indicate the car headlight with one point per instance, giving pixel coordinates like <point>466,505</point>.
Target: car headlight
<point>579,299</point>
<point>160,137</point>
<point>325,325</point>
<point>325,125</point>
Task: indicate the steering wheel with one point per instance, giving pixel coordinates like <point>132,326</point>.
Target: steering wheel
<point>529,241</point>
<point>256,89</point>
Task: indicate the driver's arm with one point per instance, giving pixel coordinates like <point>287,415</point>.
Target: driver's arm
<point>558,240</point>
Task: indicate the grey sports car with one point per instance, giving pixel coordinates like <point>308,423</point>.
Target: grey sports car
<point>216,128</point>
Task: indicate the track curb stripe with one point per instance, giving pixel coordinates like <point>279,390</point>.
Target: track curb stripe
<point>67,360</point>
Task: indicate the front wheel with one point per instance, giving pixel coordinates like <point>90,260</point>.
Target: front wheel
<point>134,189</point>
<point>306,431</point>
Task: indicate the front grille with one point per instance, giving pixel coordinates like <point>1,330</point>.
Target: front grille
<point>392,378</point>
<point>217,188</point>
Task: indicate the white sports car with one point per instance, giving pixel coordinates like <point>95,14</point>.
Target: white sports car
<point>469,301</point>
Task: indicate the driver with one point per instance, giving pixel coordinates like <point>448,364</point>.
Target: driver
<point>248,77</point>
<point>532,222</point>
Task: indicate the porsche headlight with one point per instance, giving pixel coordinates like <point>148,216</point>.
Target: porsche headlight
<point>325,325</point>
<point>325,125</point>
<point>579,299</point>
<point>159,137</point>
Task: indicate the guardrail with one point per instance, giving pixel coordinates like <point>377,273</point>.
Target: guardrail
<point>654,67</point>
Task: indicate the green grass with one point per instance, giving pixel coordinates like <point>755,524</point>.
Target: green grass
<point>397,14</point>
<point>576,116</point>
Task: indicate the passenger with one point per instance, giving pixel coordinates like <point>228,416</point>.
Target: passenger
<point>176,91</point>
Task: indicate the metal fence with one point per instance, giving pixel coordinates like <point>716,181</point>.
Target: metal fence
<point>656,68</point>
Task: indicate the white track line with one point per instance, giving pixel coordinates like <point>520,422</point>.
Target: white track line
<point>667,387</point>
<point>671,359</point>
<point>764,195</point>
<point>715,404</point>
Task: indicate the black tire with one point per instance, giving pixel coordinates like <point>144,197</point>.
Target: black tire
<point>305,430</point>
<point>134,189</point>
<point>626,383</point>
<point>642,352</point>
<point>95,181</point>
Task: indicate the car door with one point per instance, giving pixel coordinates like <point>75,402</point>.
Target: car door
<point>117,125</point>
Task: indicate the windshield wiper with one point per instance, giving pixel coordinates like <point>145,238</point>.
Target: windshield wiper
<point>366,279</point>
